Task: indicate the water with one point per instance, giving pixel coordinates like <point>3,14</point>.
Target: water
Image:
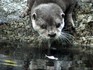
<point>66,61</point>
<point>8,63</point>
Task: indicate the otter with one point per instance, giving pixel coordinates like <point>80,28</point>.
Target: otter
<point>50,17</point>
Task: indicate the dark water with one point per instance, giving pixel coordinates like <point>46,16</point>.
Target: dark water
<point>8,63</point>
<point>16,62</point>
<point>67,60</point>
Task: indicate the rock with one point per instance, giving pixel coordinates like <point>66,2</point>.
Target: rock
<point>89,1</point>
<point>2,21</point>
<point>12,9</point>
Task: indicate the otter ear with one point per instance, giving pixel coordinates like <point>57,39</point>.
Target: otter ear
<point>34,16</point>
<point>63,15</point>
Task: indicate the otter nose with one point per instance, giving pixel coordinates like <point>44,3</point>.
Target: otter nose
<point>52,34</point>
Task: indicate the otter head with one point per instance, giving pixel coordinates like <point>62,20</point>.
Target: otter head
<point>48,20</point>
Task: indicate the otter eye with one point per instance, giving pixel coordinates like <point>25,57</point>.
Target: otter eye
<point>58,25</point>
<point>63,15</point>
<point>34,16</point>
<point>43,26</point>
